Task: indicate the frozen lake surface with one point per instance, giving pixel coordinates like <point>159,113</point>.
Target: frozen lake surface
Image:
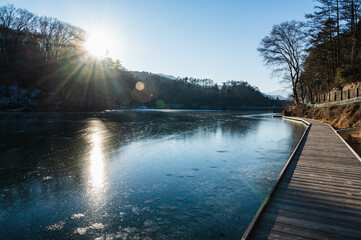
<point>138,174</point>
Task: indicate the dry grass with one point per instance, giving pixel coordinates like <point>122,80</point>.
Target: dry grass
<point>356,134</point>
<point>338,116</point>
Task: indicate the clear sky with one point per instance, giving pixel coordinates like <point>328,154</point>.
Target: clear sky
<point>214,39</point>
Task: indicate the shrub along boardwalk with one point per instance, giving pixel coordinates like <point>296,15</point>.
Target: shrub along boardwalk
<point>318,195</point>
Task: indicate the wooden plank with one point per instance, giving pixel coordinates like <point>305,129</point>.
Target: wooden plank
<point>274,234</point>
<point>320,169</point>
<point>339,178</point>
<point>324,189</point>
<point>317,211</point>
<point>313,225</point>
<point>318,195</point>
<point>306,177</point>
<point>300,231</point>
<point>304,194</point>
<point>320,202</point>
<point>325,184</point>
<point>344,225</point>
<point>325,175</point>
<point>327,206</point>
<point>313,189</point>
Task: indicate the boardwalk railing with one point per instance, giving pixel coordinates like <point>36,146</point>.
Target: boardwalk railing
<point>343,140</point>
<point>337,103</point>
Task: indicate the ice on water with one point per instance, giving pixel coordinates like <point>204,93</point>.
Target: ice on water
<point>81,231</point>
<point>55,226</point>
<point>77,216</point>
<point>97,226</point>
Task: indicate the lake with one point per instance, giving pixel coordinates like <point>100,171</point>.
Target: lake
<point>138,174</point>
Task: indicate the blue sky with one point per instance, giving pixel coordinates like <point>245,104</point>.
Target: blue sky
<point>214,39</point>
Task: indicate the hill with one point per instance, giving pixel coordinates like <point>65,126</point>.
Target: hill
<point>199,93</point>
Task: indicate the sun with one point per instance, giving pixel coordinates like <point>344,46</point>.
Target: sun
<point>98,44</point>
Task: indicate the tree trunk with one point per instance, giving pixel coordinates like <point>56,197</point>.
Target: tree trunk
<point>295,94</point>
<point>311,94</point>
<point>338,34</point>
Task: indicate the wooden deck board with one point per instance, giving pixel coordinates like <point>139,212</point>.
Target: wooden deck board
<point>318,195</point>
<point>299,231</point>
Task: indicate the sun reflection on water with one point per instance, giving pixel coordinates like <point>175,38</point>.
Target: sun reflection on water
<point>96,160</point>
<point>96,164</point>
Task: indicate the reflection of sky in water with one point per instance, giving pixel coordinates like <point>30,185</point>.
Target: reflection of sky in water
<point>158,175</point>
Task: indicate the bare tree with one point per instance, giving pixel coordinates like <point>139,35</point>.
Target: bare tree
<point>284,48</point>
<point>7,21</point>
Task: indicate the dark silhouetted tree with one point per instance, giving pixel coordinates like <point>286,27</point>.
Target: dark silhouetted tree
<point>284,49</point>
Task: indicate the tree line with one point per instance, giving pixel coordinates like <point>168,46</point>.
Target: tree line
<point>319,54</point>
<point>43,59</point>
<point>197,93</point>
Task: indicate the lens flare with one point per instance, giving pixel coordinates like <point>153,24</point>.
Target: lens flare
<point>139,86</point>
<point>160,103</point>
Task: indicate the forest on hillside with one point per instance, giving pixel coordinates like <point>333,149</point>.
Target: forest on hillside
<point>45,67</point>
<point>320,54</point>
<point>196,93</point>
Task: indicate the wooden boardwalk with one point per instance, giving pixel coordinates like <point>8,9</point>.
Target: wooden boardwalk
<point>318,195</point>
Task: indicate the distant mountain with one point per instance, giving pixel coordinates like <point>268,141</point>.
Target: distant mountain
<point>281,94</point>
<point>277,96</point>
<point>141,76</point>
<point>167,76</point>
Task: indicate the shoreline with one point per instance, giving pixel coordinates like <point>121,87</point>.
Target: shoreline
<point>243,109</point>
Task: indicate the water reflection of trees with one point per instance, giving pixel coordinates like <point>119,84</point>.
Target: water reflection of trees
<point>35,147</point>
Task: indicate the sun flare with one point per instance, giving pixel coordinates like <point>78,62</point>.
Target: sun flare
<point>98,44</point>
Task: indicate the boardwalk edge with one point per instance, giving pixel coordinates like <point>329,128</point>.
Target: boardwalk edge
<point>343,140</point>
<point>255,219</point>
